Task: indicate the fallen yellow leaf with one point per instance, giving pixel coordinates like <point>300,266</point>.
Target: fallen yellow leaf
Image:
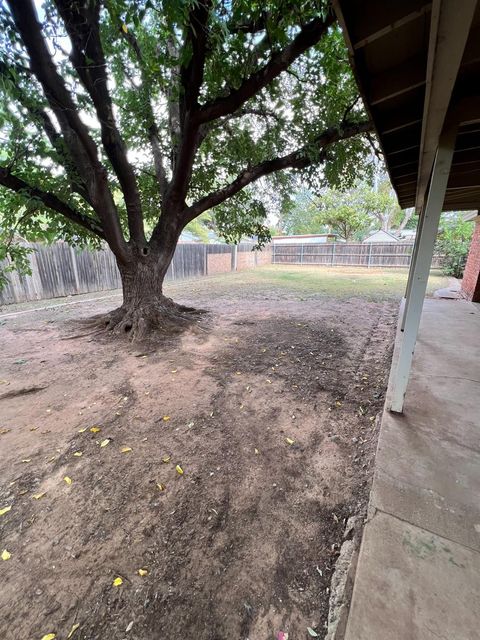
<point>5,509</point>
<point>27,460</point>
<point>95,429</point>
<point>37,496</point>
<point>3,431</point>
<point>339,404</point>
<point>73,629</point>
<point>269,381</point>
<point>6,555</point>
<point>82,430</point>
<point>257,452</point>
<point>68,480</point>
<point>104,443</point>
<point>166,418</point>
<point>143,572</point>
<point>33,428</point>
<point>173,371</point>
<point>289,441</point>
<point>126,449</point>
<point>49,636</point>
<point>77,454</point>
<point>179,469</point>
<point>166,458</point>
<point>117,582</point>
<point>161,486</point>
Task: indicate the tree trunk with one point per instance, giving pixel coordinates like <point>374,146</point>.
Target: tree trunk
<point>146,311</point>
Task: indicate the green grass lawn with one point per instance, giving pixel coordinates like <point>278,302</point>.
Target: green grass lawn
<point>302,281</point>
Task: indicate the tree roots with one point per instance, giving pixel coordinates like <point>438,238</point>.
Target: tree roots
<point>152,320</point>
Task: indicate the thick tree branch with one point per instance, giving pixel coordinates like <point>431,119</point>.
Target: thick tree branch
<point>296,160</point>
<point>50,200</point>
<point>43,121</point>
<point>76,135</point>
<point>191,74</point>
<point>407,215</point>
<point>308,36</point>
<point>191,78</point>
<point>82,24</point>
<point>44,69</point>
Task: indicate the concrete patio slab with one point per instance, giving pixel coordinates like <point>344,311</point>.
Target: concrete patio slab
<point>413,584</point>
<point>428,462</point>
<point>426,488</point>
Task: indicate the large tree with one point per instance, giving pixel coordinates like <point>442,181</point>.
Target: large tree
<point>124,120</point>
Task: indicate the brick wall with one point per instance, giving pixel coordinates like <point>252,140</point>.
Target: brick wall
<point>219,263</point>
<point>471,276</point>
<point>245,260</point>
<point>264,256</point>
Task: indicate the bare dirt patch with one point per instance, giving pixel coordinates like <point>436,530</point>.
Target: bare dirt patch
<point>243,544</point>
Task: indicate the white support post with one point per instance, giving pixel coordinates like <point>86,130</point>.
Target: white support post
<point>413,262</point>
<point>426,244</point>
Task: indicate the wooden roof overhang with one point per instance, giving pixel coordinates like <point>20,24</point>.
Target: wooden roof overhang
<point>417,65</point>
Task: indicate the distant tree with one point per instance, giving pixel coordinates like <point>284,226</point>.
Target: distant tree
<point>362,207</point>
<point>453,242</point>
<point>382,205</point>
<point>201,226</point>
<point>342,214</point>
<point>299,214</point>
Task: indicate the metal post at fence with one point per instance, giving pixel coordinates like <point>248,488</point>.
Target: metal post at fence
<point>75,270</point>
<point>273,253</point>
<point>205,261</point>
<point>369,255</point>
<point>301,253</point>
<point>333,255</point>
<point>235,256</point>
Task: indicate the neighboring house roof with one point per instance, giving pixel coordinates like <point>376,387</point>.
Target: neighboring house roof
<point>188,236</point>
<point>406,235</point>
<point>471,215</point>
<point>380,236</point>
<point>305,235</point>
<point>306,238</point>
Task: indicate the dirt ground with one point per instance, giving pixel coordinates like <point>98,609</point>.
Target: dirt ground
<point>268,408</point>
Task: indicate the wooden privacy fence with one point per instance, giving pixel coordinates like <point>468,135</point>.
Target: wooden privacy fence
<point>355,254</point>
<point>59,270</point>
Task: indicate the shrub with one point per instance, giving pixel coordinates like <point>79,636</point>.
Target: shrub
<point>453,242</point>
